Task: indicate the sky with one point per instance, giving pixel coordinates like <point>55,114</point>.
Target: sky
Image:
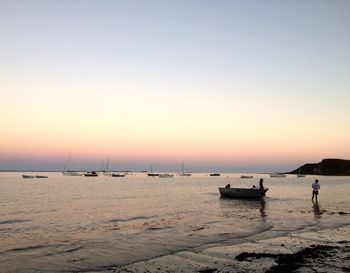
<point>221,85</point>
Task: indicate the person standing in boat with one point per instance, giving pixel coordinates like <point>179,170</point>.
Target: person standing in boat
<point>261,184</point>
<point>315,187</point>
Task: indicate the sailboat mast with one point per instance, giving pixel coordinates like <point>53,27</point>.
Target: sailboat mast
<point>65,165</point>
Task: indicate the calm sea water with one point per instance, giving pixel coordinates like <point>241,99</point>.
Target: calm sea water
<point>65,224</point>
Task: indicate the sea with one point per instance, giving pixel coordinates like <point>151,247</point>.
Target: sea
<point>89,224</point>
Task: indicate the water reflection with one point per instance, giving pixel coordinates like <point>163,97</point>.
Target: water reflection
<point>317,210</point>
<point>262,208</point>
<point>230,207</point>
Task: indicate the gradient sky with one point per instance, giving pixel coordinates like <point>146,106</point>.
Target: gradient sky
<point>222,85</point>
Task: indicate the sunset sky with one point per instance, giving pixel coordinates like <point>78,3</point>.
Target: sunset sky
<point>221,85</point>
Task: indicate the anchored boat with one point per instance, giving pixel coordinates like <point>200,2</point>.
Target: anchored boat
<point>243,192</point>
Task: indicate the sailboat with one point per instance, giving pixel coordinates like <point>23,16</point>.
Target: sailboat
<point>68,172</point>
<point>165,175</point>
<point>105,168</point>
<point>183,171</point>
<point>151,173</point>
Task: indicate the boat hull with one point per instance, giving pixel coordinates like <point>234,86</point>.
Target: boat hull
<point>91,174</point>
<point>165,175</point>
<point>246,176</point>
<point>27,176</point>
<point>118,175</point>
<point>242,193</point>
<point>278,175</point>
<point>153,174</point>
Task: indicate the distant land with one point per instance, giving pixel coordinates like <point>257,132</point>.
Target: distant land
<point>329,166</point>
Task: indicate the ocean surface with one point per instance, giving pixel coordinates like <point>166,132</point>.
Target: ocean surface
<point>82,224</point>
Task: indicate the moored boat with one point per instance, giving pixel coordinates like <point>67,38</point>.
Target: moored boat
<point>277,175</point>
<point>118,175</point>
<point>91,174</point>
<point>153,174</point>
<point>71,173</point>
<point>41,176</point>
<point>183,171</point>
<point>28,176</point>
<point>246,176</point>
<point>243,192</point>
<point>214,174</point>
<point>166,175</point>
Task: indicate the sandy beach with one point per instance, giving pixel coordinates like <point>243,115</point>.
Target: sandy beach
<point>325,250</point>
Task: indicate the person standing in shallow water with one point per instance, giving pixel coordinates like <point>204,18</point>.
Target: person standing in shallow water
<point>315,187</point>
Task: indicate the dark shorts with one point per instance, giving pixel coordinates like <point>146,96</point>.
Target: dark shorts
<point>315,192</point>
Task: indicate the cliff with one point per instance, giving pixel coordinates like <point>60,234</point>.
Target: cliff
<point>329,166</point>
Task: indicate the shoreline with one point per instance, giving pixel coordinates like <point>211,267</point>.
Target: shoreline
<point>325,249</point>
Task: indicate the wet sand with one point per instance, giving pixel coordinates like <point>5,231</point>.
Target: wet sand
<point>326,250</point>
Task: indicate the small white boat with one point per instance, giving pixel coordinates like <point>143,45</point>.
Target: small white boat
<point>243,192</point>
<point>277,175</point>
<point>118,174</point>
<point>72,173</point>
<point>28,176</point>
<point>246,176</point>
<point>183,171</point>
<point>185,174</point>
<point>68,172</point>
<point>41,176</point>
<point>165,175</point>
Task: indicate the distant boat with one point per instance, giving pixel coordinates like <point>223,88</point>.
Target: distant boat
<point>183,171</point>
<point>69,173</point>
<point>118,175</point>
<point>214,174</point>
<point>165,175</point>
<point>242,192</point>
<point>105,168</point>
<point>246,176</point>
<point>28,176</point>
<point>91,174</point>
<point>277,175</point>
<point>72,173</point>
<point>151,173</point>
<point>41,176</point>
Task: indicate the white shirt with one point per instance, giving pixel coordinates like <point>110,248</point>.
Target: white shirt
<point>315,186</point>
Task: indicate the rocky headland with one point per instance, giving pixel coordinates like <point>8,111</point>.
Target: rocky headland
<point>329,166</point>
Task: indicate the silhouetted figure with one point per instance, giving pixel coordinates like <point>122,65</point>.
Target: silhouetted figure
<point>315,187</point>
<point>261,184</point>
<point>228,186</point>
